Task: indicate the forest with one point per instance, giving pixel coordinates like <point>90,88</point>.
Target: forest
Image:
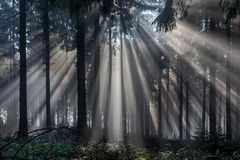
<point>120,79</point>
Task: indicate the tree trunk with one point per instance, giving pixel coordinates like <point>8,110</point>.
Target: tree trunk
<point>96,117</point>
<point>47,59</point>
<point>180,107</point>
<point>238,115</point>
<point>188,136</point>
<point>81,91</point>
<point>124,110</point>
<point>228,89</point>
<point>204,101</point>
<point>180,97</point>
<point>23,121</point>
<point>160,134</point>
<point>168,117</point>
<point>212,104</point>
<point>107,109</point>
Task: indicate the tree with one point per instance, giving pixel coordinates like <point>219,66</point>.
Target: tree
<point>228,88</point>
<point>23,122</point>
<point>96,117</point>
<point>188,136</point>
<point>107,113</point>
<point>204,98</point>
<point>124,109</point>
<point>212,105</point>
<point>81,91</point>
<point>180,106</point>
<point>173,10</point>
<point>47,59</point>
<point>180,96</point>
<point>78,9</point>
<point>231,9</point>
<point>160,134</point>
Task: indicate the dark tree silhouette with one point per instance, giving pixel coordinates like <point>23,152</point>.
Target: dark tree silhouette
<point>81,91</point>
<point>212,94</point>
<point>47,59</point>
<point>23,122</point>
<point>160,105</point>
<point>204,98</point>
<point>188,135</point>
<point>228,88</point>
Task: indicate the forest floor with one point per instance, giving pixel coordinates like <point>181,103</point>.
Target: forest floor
<point>60,145</point>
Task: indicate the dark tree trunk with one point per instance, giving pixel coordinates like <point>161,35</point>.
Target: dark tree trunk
<point>180,96</point>
<point>168,117</point>
<point>212,105</point>
<point>204,100</point>
<point>81,91</point>
<point>188,136</point>
<point>141,113</point>
<point>23,122</point>
<point>238,115</point>
<point>228,102</point>
<point>107,109</point>
<point>148,127</point>
<point>180,106</point>
<point>124,110</point>
<point>160,134</point>
<point>96,117</point>
<point>228,89</point>
<point>11,110</point>
<point>220,110</point>
<point>212,102</point>
<point>47,59</point>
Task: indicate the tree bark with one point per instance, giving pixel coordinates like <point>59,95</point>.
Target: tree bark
<point>180,107</point>
<point>228,89</point>
<point>96,117</point>
<point>212,113</point>
<point>204,100</point>
<point>23,121</point>
<point>47,59</point>
<point>107,109</point>
<point>160,134</point>
<point>81,89</point>
<point>180,97</point>
<point>188,136</point>
<point>212,104</point>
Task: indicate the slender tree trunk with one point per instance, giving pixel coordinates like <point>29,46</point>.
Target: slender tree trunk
<point>107,109</point>
<point>23,121</point>
<point>147,120</point>
<point>228,102</point>
<point>47,59</point>
<point>96,117</point>
<point>160,134</point>
<point>81,91</point>
<point>141,113</point>
<point>238,114</point>
<point>188,136</point>
<point>212,104</point>
<point>124,110</point>
<point>180,97</point>
<point>220,111</point>
<point>181,107</point>
<point>168,100</point>
<point>204,100</point>
<point>228,89</point>
<point>11,110</point>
